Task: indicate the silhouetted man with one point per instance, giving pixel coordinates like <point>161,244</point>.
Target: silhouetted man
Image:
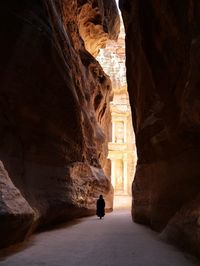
<point>100,207</point>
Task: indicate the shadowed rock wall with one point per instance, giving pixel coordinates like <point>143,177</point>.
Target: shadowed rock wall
<point>54,115</point>
<point>163,57</point>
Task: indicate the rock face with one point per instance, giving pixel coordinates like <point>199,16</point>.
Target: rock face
<point>184,228</point>
<point>98,21</point>
<point>16,214</point>
<point>163,55</point>
<point>54,101</point>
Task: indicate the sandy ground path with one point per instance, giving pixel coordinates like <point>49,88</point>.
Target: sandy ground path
<point>113,241</point>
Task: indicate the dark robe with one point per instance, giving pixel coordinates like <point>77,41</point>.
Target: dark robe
<point>100,207</point>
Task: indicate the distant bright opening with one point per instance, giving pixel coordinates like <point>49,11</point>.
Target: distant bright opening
<point>122,149</point>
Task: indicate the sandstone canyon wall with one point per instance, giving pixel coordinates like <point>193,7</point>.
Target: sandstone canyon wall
<point>163,72</point>
<point>54,112</point>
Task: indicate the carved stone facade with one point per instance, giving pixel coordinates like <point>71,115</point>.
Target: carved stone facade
<point>121,145</point>
<point>122,151</point>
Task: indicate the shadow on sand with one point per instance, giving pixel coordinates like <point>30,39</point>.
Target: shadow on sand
<point>30,241</point>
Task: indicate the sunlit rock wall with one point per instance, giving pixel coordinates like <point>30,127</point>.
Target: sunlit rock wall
<point>97,23</point>
<point>54,114</point>
<point>112,59</point>
<point>163,57</point>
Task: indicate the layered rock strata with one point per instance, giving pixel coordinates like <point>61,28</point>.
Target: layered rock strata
<point>54,101</point>
<point>163,55</point>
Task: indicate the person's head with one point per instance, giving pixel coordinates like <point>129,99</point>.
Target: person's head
<point>101,197</point>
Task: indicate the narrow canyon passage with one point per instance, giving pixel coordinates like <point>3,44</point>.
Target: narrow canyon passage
<point>115,240</point>
<point>65,138</point>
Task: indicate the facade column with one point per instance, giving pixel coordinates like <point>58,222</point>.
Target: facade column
<point>113,172</point>
<point>125,131</point>
<point>125,172</point>
<point>113,131</point>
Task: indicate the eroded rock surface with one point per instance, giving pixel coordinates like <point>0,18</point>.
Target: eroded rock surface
<point>54,102</point>
<point>16,215</point>
<point>163,55</point>
<point>98,21</point>
<point>184,228</point>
